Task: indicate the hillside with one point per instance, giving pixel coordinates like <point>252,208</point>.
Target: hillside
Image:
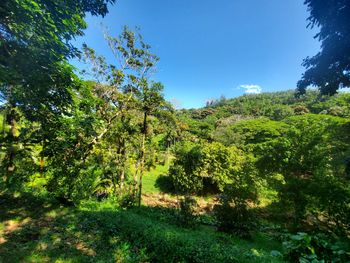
<point>274,106</point>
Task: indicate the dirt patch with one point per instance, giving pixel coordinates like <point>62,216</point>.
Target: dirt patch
<point>84,249</point>
<point>168,201</point>
<point>11,226</point>
<point>162,200</point>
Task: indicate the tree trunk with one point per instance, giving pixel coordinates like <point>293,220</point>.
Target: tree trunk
<point>123,158</point>
<point>167,153</point>
<point>137,164</point>
<point>143,150</point>
<point>11,140</point>
<point>122,179</point>
<point>123,153</point>
<point>4,126</point>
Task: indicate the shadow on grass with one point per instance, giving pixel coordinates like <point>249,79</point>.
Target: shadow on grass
<point>166,185</point>
<point>36,230</point>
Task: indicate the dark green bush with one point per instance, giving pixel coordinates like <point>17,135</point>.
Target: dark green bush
<point>303,247</point>
<point>233,214</point>
<point>128,200</point>
<point>186,216</point>
<point>165,184</point>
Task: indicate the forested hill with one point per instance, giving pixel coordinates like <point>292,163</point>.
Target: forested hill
<point>275,106</point>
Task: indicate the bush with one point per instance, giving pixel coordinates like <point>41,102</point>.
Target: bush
<point>128,200</point>
<point>186,216</point>
<point>303,247</point>
<point>165,184</point>
<point>185,173</point>
<point>233,214</point>
<point>212,161</point>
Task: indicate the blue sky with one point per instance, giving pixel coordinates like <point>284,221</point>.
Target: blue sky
<point>211,48</point>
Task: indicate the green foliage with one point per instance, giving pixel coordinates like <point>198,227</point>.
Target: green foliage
<point>183,182</point>
<point>128,200</point>
<point>272,105</point>
<point>184,173</point>
<point>82,140</point>
<point>36,45</point>
<point>310,156</point>
<point>168,243</point>
<point>94,147</point>
<point>248,132</point>
<point>233,213</point>
<point>165,184</point>
<point>98,231</point>
<point>37,81</point>
<point>275,106</point>
<point>186,216</point>
<point>303,247</point>
<point>212,163</point>
<point>152,181</point>
<point>337,105</point>
<point>300,110</point>
<point>329,68</point>
<point>222,164</point>
<point>59,234</point>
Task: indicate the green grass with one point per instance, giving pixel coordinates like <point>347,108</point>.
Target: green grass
<point>150,178</point>
<point>34,229</point>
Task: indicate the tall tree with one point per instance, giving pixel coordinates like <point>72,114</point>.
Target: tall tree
<point>329,69</point>
<point>34,48</point>
<point>129,89</point>
<point>35,75</point>
<point>36,34</point>
<point>131,48</point>
<point>310,155</point>
<point>151,99</point>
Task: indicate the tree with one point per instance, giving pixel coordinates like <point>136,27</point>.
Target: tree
<point>34,49</point>
<point>35,35</point>
<point>151,99</point>
<point>310,156</point>
<point>249,132</point>
<point>35,76</point>
<point>330,68</point>
<point>129,88</point>
<point>210,165</point>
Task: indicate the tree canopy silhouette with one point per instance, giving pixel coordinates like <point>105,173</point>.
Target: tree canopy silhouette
<point>329,69</point>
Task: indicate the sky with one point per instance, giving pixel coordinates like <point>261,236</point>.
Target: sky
<point>210,48</point>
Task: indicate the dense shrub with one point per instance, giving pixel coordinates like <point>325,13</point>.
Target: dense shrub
<point>310,156</point>
<point>186,215</point>
<point>212,163</point>
<point>233,213</point>
<point>165,184</point>
<point>303,247</point>
<point>184,182</point>
<point>128,200</point>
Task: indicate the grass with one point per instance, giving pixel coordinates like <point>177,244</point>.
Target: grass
<point>35,229</point>
<point>150,178</point>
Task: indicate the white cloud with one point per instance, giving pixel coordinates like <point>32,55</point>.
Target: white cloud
<point>344,90</point>
<point>251,88</point>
